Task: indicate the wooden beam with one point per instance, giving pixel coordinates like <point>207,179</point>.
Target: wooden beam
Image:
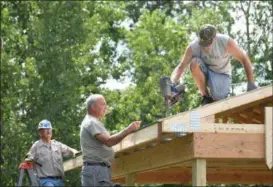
<point>240,118</point>
<point>258,119</point>
<point>236,120</point>
<point>208,119</point>
<point>199,172</point>
<point>251,116</point>
<point>130,179</point>
<point>147,136</point>
<point>73,163</point>
<point>240,177</point>
<point>268,136</point>
<point>267,101</point>
<point>176,151</point>
<point>226,106</point>
<point>214,176</point>
<point>229,145</point>
<point>237,164</point>
<point>144,135</point>
<point>213,128</point>
<point>200,145</point>
<point>258,110</point>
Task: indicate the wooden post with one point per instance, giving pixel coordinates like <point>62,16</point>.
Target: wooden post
<point>199,174</point>
<point>130,179</point>
<point>268,136</point>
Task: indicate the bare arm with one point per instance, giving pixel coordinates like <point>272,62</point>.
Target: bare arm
<point>236,52</point>
<point>180,68</point>
<point>114,139</point>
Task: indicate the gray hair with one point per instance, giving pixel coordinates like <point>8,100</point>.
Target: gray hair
<point>92,99</point>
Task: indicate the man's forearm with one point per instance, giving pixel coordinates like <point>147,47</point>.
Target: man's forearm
<point>177,72</point>
<point>116,138</point>
<point>248,70</point>
<point>180,68</point>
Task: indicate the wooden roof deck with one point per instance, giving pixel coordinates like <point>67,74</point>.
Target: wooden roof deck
<point>232,143</point>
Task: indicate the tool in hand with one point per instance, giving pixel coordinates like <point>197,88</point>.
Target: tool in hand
<point>171,93</point>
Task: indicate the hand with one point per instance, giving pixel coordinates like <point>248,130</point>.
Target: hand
<point>28,160</point>
<point>134,126</point>
<point>75,152</point>
<point>173,88</point>
<point>27,164</point>
<point>251,86</point>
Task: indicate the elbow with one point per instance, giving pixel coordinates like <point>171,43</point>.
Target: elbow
<point>108,143</point>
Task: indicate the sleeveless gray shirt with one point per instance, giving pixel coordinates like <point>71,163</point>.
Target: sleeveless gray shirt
<point>216,58</point>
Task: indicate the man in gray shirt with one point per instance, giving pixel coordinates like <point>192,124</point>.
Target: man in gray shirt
<point>96,143</point>
<point>209,56</point>
<point>48,153</point>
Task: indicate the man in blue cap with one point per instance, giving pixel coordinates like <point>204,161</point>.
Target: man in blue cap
<point>49,153</point>
<point>209,59</point>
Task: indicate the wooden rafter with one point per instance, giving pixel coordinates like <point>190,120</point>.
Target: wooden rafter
<point>227,106</point>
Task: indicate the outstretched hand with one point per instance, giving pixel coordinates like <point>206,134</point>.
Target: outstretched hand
<point>134,126</point>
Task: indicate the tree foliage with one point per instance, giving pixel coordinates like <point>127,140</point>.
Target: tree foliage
<point>55,54</point>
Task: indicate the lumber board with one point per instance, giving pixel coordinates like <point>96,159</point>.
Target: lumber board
<point>229,145</point>
<point>165,154</point>
<point>251,116</point>
<point>221,175</point>
<point>258,110</point>
<point>226,106</point>
<point>144,135</point>
<point>238,118</point>
<point>147,136</point>
<point>195,145</point>
<point>214,128</point>
<point>199,172</point>
<point>268,136</point>
<point>130,179</point>
<point>231,164</point>
<point>73,163</point>
<point>263,102</point>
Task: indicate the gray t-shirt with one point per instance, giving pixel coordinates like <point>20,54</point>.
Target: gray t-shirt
<point>94,150</point>
<point>50,156</point>
<point>216,58</point>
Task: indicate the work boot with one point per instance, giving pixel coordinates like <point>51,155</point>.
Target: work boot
<point>206,100</point>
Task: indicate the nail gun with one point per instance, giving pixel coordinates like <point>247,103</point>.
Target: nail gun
<point>172,93</point>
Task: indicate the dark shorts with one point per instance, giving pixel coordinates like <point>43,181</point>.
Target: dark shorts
<point>218,83</point>
<point>96,175</point>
